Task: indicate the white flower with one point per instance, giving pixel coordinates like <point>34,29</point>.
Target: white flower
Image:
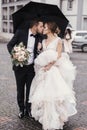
<point>21,58</point>
<point>20,55</point>
<point>16,49</point>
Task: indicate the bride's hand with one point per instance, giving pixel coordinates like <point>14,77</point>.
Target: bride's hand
<point>47,67</point>
<point>39,46</point>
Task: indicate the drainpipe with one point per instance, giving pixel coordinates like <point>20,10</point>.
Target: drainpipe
<point>79,14</point>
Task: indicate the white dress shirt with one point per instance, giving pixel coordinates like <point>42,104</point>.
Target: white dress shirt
<point>30,47</point>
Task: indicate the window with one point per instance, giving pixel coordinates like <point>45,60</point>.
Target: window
<point>19,7</point>
<point>11,11</point>
<point>11,27</point>
<point>5,27</point>
<point>4,1</point>
<point>69,4</point>
<point>11,1</point>
<point>19,0</point>
<point>86,37</point>
<point>4,13</point>
<point>81,34</point>
<point>85,23</point>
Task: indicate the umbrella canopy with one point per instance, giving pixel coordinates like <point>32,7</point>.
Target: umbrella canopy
<point>34,10</point>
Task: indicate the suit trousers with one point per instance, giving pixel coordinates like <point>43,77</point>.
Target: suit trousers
<point>24,76</point>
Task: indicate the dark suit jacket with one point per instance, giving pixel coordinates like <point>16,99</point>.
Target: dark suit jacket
<point>22,36</point>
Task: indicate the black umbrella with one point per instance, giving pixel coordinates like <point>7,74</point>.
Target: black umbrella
<point>34,10</point>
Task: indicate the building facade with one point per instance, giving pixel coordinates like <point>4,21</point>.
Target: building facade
<point>0,16</point>
<point>74,10</point>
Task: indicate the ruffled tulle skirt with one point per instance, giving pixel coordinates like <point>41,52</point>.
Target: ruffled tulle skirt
<point>52,94</point>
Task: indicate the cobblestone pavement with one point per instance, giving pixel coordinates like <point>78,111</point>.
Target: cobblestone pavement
<point>8,106</point>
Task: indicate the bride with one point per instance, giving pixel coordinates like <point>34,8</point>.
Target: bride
<point>52,95</point>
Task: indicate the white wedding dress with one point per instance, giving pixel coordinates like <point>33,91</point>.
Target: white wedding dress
<point>51,94</point>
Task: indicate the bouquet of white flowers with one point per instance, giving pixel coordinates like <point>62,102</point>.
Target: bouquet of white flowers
<point>20,55</point>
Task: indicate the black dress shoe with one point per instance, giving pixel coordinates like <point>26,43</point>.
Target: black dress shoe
<point>28,114</point>
<point>21,114</point>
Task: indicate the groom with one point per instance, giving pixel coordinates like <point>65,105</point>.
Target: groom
<point>25,74</point>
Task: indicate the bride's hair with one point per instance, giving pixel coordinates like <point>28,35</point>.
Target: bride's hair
<point>53,27</point>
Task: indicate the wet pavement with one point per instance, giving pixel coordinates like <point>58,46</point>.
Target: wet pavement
<point>8,106</point>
